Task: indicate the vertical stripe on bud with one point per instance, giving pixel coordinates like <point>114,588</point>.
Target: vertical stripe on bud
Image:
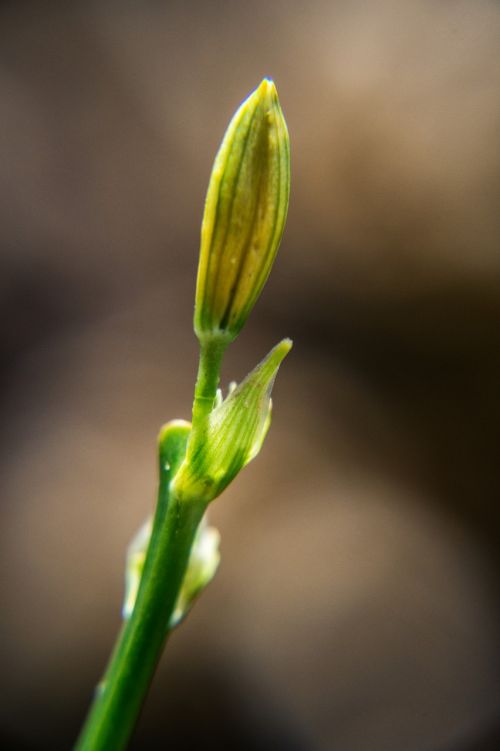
<point>245,213</point>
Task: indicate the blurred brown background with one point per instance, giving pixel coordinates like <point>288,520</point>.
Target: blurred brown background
<point>356,607</point>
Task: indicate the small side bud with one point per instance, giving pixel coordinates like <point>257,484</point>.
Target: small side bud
<point>136,556</point>
<point>233,436</point>
<point>203,563</point>
<point>245,213</point>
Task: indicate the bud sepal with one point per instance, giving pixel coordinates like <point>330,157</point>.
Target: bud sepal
<point>232,434</point>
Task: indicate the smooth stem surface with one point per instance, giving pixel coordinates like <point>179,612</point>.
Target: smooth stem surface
<point>211,354</point>
<point>120,694</point>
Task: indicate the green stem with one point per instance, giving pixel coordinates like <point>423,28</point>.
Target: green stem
<point>211,353</point>
<point>120,695</point>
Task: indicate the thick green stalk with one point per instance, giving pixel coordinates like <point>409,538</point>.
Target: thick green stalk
<point>120,695</point>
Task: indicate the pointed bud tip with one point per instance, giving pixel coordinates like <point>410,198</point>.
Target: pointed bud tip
<point>267,86</point>
<point>266,91</point>
<point>282,349</point>
<point>268,368</point>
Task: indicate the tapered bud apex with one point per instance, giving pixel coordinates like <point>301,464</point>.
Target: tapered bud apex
<point>245,213</point>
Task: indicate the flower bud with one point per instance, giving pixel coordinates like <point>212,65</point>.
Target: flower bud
<point>245,213</point>
<point>233,435</point>
<point>203,563</point>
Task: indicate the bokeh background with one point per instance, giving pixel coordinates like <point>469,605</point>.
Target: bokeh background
<point>356,607</point>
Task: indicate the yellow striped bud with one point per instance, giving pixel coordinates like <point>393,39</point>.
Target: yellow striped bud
<point>245,213</point>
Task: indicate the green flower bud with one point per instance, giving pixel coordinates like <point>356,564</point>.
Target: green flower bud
<point>233,434</point>
<point>245,213</point>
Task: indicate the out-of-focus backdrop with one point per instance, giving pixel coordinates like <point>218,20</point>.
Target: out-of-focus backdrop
<point>356,607</point>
